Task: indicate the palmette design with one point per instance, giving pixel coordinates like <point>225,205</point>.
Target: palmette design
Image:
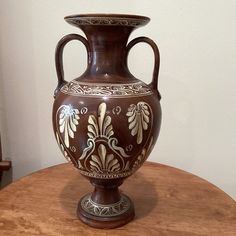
<point>100,130</point>
<point>138,119</point>
<point>103,157</point>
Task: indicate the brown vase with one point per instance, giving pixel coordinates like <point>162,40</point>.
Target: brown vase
<point>106,121</point>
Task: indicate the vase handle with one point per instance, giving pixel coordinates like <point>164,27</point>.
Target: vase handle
<point>154,83</point>
<point>59,57</point>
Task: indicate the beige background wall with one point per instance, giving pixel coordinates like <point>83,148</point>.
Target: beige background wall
<point>197,40</point>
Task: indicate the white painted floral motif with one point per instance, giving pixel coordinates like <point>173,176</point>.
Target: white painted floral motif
<point>64,152</point>
<point>101,126</point>
<point>101,138</point>
<point>144,155</point>
<point>138,119</point>
<point>104,163</point>
<point>68,120</point>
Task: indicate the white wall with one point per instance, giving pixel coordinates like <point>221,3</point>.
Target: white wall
<point>197,40</point>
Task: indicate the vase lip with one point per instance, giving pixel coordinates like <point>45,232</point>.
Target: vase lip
<point>107,19</point>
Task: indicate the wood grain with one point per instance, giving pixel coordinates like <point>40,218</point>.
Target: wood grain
<point>168,201</point>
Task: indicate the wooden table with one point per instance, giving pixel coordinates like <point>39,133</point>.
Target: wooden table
<point>168,201</point>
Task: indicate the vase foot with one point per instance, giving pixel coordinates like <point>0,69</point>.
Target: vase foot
<point>105,216</point>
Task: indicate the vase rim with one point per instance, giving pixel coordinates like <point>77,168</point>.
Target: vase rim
<point>108,19</point>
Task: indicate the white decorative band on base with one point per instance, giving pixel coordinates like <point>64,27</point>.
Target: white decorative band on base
<point>115,209</point>
<point>106,175</point>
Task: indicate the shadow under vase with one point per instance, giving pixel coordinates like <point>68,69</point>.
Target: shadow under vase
<point>143,202</point>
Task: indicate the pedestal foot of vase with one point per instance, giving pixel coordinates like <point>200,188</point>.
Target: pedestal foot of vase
<point>105,215</point>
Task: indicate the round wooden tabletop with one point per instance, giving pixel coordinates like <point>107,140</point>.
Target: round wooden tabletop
<point>168,201</point>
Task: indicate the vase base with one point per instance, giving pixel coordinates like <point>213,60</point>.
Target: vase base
<point>105,216</point>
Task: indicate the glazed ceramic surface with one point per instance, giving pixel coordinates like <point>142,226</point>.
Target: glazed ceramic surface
<point>106,121</point>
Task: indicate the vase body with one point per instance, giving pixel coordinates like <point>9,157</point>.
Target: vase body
<point>106,121</point>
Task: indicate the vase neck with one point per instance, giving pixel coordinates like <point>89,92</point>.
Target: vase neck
<point>107,50</point>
